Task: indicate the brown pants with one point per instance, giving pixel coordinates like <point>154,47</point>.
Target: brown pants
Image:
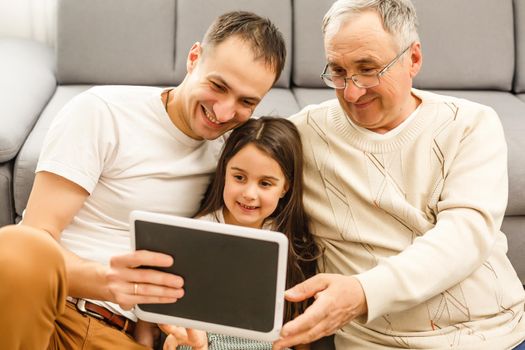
<point>34,314</point>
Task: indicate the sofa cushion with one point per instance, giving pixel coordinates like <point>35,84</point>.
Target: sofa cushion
<point>277,102</point>
<point>191,29</point>
<point>466,45</point>
<point>25,165</point>
<point>514,228</point>
<point>115,42</point>
<point>26,84</point>
<point>7,214</point>
<point>519,22</point>
<point>309,96</point>
<point>511,111</point>
<point>308,55</point>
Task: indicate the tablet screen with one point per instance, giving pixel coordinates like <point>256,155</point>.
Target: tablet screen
<point>228,280</point>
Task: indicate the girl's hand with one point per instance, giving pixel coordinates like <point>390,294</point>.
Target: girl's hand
<point>198,340</point>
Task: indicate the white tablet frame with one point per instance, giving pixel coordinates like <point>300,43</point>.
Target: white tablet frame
<point>241,231</point>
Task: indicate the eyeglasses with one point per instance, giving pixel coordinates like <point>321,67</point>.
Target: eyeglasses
<point>362,80</point>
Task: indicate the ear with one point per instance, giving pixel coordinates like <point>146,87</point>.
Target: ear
<point>416,59</point>
<point>285,189</point>
<point>193,56</point>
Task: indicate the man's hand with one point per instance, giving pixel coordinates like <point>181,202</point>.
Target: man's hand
<point>198,340</point>
<point>130,285</point>
<point>338,300</point>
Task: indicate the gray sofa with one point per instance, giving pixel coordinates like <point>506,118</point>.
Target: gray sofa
<point>480,56</point>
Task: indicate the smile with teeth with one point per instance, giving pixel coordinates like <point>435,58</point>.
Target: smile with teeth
<point>249,207</point>
<point>210,117</point>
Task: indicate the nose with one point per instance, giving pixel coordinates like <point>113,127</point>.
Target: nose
<point>352,93</point>
<point>250,192</point>
<point>224,110</point>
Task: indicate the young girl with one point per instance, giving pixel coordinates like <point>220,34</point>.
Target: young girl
<point>258,183</point>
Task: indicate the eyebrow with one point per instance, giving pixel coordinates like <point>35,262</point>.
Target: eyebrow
<point>223,82</point>
<point>264,176</point>
<point>361,61</point>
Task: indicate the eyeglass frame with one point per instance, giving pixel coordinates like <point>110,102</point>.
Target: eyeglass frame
<point>325,76</point>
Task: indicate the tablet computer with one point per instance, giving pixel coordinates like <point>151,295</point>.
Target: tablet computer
<point>234,276</point>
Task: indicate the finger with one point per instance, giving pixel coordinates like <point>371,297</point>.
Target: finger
<point>141,258</point>
<point>166,327</point>
<point>152,290</point>
<point>309,335</point>
<point>306,289</point>
<point>170,343</point>
<point>301,338</point>
<point>147,276</point>
<point>198,339</point>
<point>128,303</point>
<point>154,277</point>
<point>312,316</point>
<point>146,294</point>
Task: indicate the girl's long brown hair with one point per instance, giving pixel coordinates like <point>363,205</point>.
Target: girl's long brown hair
<point>280,139</point>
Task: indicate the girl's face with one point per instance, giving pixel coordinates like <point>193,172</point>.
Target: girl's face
<point>254,183</point>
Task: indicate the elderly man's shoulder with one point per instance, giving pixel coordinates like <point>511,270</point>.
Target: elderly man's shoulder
<point>315,110</point>
<point>457,102</point>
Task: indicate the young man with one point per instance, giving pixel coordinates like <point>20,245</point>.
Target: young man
<point>112,150</point>
<point>407,191</point>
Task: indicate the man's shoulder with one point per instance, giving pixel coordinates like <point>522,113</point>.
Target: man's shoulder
<point>122,92</point>
<point>463,110</point>
<point>455,101</point>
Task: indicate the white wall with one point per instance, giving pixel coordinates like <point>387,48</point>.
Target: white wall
<point>34,19</point>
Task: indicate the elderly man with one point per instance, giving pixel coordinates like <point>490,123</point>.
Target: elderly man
<point>407,191</point>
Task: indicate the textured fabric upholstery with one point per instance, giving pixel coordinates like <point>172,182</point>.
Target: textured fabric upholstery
<point>115,42</point>
<point>27,82</point>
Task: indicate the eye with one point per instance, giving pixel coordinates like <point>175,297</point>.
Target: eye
<point>217,87</point>
<point>367,71</point>
<point>338,71</point>
<point>238,177</point>
<point>248,103</point>
<point>266,184</point>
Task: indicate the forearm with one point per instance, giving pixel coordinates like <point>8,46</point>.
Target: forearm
<point>86,279</point>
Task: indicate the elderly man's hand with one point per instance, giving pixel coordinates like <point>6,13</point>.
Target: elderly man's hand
<point>338,300</point>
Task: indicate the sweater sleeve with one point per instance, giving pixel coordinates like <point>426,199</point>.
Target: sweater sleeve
<point>470,211</point>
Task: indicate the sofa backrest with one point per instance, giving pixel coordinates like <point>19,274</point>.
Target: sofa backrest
<point>461,48</point>
<point>519,22</point>
<point>308,55</point>
<point>466,45</point>
<point>133,41</point>
<point>115,42</point>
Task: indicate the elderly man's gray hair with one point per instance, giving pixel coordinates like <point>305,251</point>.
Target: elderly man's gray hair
<point>398,16</point>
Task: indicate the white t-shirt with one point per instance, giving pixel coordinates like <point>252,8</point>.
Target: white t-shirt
<point>120,145</point>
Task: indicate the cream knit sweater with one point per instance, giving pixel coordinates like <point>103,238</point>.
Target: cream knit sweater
<point>416,217</point>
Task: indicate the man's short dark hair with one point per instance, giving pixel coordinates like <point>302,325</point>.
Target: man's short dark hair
<point>260,33</point>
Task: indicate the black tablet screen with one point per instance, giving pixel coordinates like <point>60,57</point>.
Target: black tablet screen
<point>228,280</point>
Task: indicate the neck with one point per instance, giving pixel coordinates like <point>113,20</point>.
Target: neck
<point>411,105</point>
<point>172,103</point>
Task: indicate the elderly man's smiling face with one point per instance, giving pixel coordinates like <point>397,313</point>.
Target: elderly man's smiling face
<point>360,45</point>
